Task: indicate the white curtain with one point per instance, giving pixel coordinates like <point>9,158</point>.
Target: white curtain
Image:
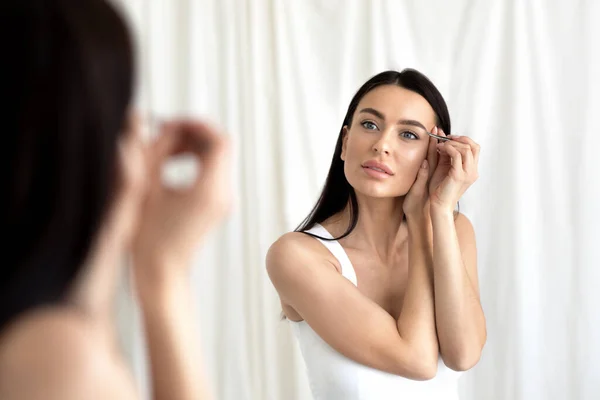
<point>522,77</point>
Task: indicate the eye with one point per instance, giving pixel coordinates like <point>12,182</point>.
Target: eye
<point>369,125</point>
<point>409,135</point>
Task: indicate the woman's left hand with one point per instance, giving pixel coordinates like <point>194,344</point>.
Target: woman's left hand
<point>455,171</point>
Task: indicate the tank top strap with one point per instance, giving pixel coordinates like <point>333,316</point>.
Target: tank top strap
<point>337,250</point>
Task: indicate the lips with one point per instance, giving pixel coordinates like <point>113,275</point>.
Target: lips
<point>377,169</point>
<point>377,166</point>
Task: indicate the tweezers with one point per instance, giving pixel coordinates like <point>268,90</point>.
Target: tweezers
<point>438,137</point>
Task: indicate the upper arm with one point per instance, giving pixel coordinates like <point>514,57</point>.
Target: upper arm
<point>57,357</point>
<point>348,321</point>
<point>468,248</point>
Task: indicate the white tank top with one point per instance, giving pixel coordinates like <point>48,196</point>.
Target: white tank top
<point>332,376</point>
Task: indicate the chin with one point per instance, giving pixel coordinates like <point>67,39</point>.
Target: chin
<point>377,190</point>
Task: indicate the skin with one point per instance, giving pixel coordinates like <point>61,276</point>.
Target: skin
<point>159,228</point>
<point>414,300</point>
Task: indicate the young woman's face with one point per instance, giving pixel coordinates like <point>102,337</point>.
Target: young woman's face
<point>386,144</point>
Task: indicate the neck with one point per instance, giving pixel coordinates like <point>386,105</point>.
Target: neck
<point>379,229</point>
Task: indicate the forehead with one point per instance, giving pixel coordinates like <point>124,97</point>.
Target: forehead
<point>397,103</point>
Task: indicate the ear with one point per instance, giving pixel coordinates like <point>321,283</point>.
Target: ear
<point>344,142</point>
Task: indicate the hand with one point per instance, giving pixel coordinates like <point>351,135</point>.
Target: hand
<point>173,222</point>
<point>455,171</point>
<point>132,183</point>
<point>119,225</point>
<point>416,200</point>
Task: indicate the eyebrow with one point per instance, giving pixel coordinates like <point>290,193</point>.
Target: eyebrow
<point>380,115</point>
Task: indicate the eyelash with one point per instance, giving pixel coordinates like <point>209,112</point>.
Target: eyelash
<point>414,134</point>
<point>365,123</point>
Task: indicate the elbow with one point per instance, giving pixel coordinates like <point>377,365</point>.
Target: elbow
<point>418,367</point>
<point>425,366</point>
<point>416,362</point>
<point>464,355</point>
<point>427,371</point>
<point>462,360</point>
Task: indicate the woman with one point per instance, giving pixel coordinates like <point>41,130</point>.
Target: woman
<point>83,190</point>
<point>380,280</point>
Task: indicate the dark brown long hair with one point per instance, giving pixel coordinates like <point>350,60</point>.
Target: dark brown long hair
<point>67,81</point>
<point>337,192</point>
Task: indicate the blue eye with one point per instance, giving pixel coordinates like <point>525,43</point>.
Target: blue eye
<point>409,135</point>
<point>369,125</point>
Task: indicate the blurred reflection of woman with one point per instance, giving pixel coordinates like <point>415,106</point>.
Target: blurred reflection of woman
<point>81,190</point>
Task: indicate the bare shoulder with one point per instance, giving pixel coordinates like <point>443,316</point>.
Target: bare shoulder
<point>296,247</point>
<point>291,242</point>
<point>294,263</point>
<point>57,354</point>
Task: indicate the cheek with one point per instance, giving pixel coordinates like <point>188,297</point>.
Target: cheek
<point>355,148</point>
<point>412,157</point>
<point>409,162</point>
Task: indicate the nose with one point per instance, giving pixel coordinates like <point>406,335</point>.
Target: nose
<point>382,146</point>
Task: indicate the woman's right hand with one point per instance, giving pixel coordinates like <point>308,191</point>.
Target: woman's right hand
<point>173,222</point>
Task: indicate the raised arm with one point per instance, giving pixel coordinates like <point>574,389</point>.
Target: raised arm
<point>173,224</point>
<point>459,315</point>
<point>460,319</point>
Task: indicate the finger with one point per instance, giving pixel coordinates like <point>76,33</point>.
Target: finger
<point>432,154</point>
<point>440,132</point>
<point>463,139</point>
<point>457,145</point>
<point>465,151</point>
<point>203,139</point>
<point>444,156</point>
<point>193,137</point>
<point>453,153</point>
<point>165,145</point>
<point>212,150</point>
<point>469,160</point>
<point>475,147</point>
<point>468,164</point>
<point>420,184</point>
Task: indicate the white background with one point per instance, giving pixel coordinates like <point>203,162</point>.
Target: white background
<point>521,77</point>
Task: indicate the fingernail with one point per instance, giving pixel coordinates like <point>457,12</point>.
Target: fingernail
<point>434,130</point>
<point>424,164</point>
